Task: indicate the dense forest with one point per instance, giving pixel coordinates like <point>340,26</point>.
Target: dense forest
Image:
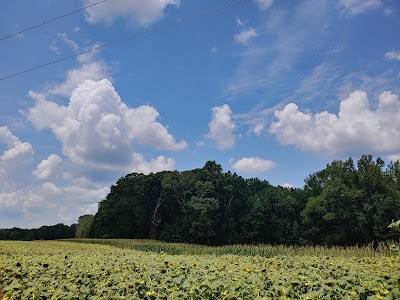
<point>59,231</point>
<point>343,204</point>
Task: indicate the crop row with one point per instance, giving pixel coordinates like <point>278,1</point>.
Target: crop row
<point>371,250</point>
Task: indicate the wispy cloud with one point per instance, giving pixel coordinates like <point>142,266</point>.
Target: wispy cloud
<point>245,35</point>
<point>355,7</point>
<point>264,4</point>
<point>393,55</point>
<point>141,12</point>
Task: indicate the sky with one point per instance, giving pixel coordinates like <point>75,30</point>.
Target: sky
<point>268,89</point>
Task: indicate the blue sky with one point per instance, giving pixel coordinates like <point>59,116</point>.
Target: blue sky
<point>268,89</point>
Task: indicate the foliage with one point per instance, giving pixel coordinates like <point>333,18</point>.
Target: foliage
<point>59,231</point>
<point>346,203</point>
<point>395,226</point>
<point>84,226</point>
<point>58,270</point>
<point>243,250</point>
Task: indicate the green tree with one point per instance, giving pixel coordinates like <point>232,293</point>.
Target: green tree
<point>84,226</point>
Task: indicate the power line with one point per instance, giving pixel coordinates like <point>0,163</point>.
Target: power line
<point>52,20</point>
<point>194,16</point>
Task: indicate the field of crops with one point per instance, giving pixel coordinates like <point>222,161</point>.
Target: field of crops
<point>69,270</point>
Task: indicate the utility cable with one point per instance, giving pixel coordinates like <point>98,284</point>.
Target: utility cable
<point>194,16</point>
<point>52,20</point>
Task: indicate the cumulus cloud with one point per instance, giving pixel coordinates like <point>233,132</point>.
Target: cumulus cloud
<point>141,12</point>
<point>97,129</point>
<point>26,204</point>
<point>253,165</point>
<point>394,55</point>
<point>94,70</point>
<point>264,4</point>
<point>158,164</point>
<point>48,167</point>
<point>21,201</point>
<point>221,127</point>
<point>287,186</point>
<point>245,35</point>
<point>34,206</point>
<point>356,129</point>
<point>18,154</point>
<point>8,138</point>
<point>356,7</point>
<point>50,188</point>
<point>89,68</point>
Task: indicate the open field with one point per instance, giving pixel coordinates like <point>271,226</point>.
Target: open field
<point>69,270</point>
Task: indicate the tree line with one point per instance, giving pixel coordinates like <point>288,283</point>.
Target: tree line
<point>346,203</point>
<point>59,231</point>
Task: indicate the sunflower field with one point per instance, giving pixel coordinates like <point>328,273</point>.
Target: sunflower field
<point>69,270</point>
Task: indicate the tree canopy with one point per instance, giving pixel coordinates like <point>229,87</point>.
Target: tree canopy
<point>343,204</point>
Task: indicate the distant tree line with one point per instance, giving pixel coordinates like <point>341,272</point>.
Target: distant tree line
<point>59,231</point>
<point>343,204</point>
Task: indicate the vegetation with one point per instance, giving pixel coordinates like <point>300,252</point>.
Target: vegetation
<point>343,204</point>
<point>61,270</point>
<point>59,231</point>
<point>83,227</point>
<point>243,250</point>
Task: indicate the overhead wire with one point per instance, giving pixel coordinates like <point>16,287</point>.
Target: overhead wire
<point>194,16</point>
<point>52,20</point>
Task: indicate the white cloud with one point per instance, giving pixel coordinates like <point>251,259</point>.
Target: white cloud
<point>200,143</point>
<point>394,157</point>
<point>8,138</point>
<point>214,50</point>
<point>263,66</point>
<point>264,4</point>
<point>77,29</point>
<point>245,35</point>
<point>258,128</point>
<point>142,12</point>
<point>387,11</point>
<point>74,46</point>
<point>356,7</point>
<point>50,188</point>
<point>34,206</point>
<point>21,201</point>
<point>241,23</point>
<point>48,167</point>
<point>53,47</point>
<point>25,204</point>
<point>18,154</point>
<point>64,214</point>
<point>95,70</point>
<point>21,153</point>
<point>221,127</point>
<point>97,129</point>
<point>355,129</point>
<point>89,68</point>
<point>155,165</point>
<point>395,55</point>
<point>287,186</point>
<point>253,165</point>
